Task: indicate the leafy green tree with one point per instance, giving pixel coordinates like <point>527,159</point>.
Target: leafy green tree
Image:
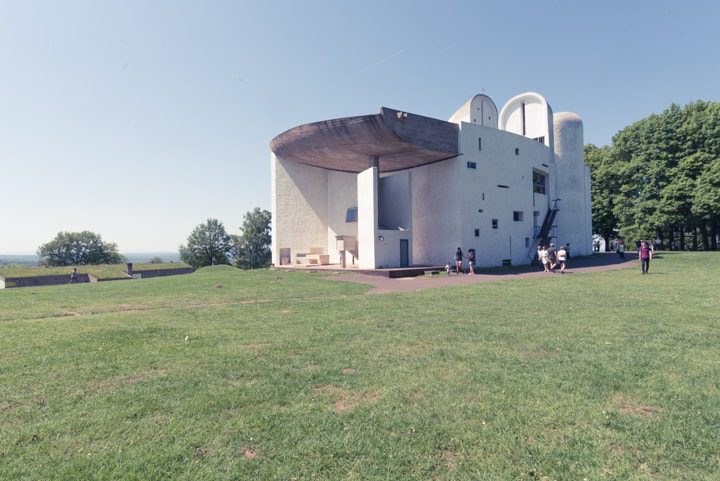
<point>604,190</point>
<point>78,248</point>
<point>252,246</point>
<point>649,181</point>
<point>207,245</point>
<point>156,260</point>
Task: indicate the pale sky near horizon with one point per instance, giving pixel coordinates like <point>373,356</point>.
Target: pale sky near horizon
<point>138,120</point>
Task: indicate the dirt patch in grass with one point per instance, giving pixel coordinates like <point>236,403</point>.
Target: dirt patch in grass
<point>248,453</point>
<point>627,406</point>
<point>346,400</point>
<point>313,366</point>
<point>448,457</point>
<point>71,314</point>
<point>8,406</point>
<point>348,370</point>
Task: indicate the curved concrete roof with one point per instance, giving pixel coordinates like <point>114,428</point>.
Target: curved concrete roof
<point>401,140</point>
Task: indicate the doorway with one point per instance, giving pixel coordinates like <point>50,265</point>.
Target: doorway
<point>404,253</point>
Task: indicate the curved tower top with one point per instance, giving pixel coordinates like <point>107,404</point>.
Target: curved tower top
<point>528,114</point>
<point>480,110</point>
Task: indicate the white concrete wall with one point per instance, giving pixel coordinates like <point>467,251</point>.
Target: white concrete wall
<point>299,207</point>
<point>574,219</point>
<point>538,117</point>
<point>497,164</point>
<point>479,110</point>
<point>394,204</point>
<point>342,194</point>
<point>367,189</point>
<point>436,211</point>
<point>387,248</point>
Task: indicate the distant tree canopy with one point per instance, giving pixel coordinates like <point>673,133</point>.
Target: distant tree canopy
<point>156,260</point>
<point>78,248</point>
<point>207,245</point>
<point>252,246</point>
<point>661,178</point>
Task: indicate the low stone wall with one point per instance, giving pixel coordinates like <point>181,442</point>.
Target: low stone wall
<point>145,274</point>
<point>11,282</point>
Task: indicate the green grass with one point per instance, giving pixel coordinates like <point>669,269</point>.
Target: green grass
<point>284,375</point>
<point>100,271</point>
<point>159,266</point>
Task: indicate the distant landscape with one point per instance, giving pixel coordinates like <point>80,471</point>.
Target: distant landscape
<point>32,259</point>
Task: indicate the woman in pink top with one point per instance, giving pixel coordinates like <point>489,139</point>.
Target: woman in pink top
<point>645,254</point>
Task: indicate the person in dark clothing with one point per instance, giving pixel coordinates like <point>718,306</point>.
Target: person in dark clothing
<point>645,254</point>
<point>73,276</point>
<point>471,261</point>
<point>458,260</point>
<point>551,257</point>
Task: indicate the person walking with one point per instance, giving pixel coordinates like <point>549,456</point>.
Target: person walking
<point>458,260</point>
<point>471,261</point>
<point>73,276</point>
<point>551,256</point>
<point>645,254</point>
<point>562,256</point>
<point>544,259</point>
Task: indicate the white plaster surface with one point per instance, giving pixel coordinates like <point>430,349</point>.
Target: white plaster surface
<point>367,217</point>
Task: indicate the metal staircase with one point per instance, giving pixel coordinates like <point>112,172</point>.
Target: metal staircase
<point>545,234</point>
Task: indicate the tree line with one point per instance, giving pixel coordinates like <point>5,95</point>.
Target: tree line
<point>660,179</point>
<point>208,244</point>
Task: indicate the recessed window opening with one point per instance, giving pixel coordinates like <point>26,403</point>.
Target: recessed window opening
<point>527,242</point>
<point>479,143</point>
<point>351,215</point>
<point>494,223</point>
<point>517,151</point>
<point>471,165</point>
<point>477,232</point>
<point>483,196</point>
<point>540,139</point>
<point>538,183</point>
<point>503,186</point>
<point>518,216</point>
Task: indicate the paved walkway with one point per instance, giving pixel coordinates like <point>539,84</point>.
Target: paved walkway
<point>383,285</point>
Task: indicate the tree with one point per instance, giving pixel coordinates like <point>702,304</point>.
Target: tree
<point>207,245</point>
<point>156,260</point>
<point>78,248</point>
<point>604,190</point>
<point>252,246</point>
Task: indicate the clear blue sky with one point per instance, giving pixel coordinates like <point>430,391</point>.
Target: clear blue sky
<point>140,119</point>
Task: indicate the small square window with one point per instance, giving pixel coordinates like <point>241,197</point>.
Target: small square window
<point>351,215</point>
<point>471,165</point>
<point>494,223</point>
<point>517,151</point>
<point>518,216</point>
<point>477,232</point>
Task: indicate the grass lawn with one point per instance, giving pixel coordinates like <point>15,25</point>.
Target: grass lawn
<point>232,375</point>
<point>108,271</point>
<point>159,266</point>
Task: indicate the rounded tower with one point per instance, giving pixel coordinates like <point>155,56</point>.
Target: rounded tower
<point>572,184</point>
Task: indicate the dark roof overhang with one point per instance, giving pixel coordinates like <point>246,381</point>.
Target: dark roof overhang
<point>401,140</point>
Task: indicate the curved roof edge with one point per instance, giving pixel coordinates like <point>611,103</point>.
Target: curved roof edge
<point>402,140</point>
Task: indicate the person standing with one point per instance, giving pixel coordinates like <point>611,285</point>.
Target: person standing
<point>73,276</point>
<point>621,249</point>
<point>458,260</point>
<point>471,261</point>
<point>645,254</point>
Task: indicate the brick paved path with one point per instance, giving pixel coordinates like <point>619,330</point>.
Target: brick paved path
<point>383,285</point>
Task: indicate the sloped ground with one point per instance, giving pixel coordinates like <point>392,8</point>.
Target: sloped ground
<point>225,374</point>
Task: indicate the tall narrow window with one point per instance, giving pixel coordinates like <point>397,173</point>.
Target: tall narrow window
<point>479,143</point>
<point>494,223</point>
<point>522,115</point>
<point>538,183</point>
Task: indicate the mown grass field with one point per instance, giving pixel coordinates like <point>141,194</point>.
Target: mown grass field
<point>109,271</point>
<point>225,374</point>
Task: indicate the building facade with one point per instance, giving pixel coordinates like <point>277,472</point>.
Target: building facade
<point>397,189</point>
